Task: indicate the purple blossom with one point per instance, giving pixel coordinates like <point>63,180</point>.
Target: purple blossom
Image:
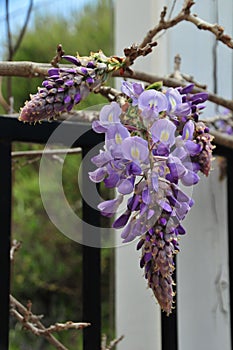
<point>126,186</point>
<point>109,207</point>
<point>174,99</point>
<point>97,175</point>
<point>136,149</point>
<point>109,115</point>
<point>133,90</point>
<point>115,135</point>
<point>102,159</point>
<point>163,130</point>
<point>151,103</point>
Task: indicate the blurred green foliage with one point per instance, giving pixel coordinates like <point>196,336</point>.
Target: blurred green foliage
<point>48,267</point>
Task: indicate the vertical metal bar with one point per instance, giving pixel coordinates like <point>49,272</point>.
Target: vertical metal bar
<point>169,326</point>
<point>5,236</point>
<point>91,275</point>
<point>230,231</point>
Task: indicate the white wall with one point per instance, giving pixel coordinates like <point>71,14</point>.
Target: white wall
<point>203,286</point>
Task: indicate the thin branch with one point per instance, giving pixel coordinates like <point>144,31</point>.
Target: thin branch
<point>33,69</point>
<point>34,319</point>
<point>23,29</point>
<point>185,15</point>
<point>135,51</point>
<point>9,37</point>
<point>50,152</point>
<point>110,93</point>
<point>33,323</point>
<point>25,69</point>
<point>227,118</point>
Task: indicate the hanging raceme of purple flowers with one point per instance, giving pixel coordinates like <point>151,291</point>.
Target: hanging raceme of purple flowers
<point>153,144</point>
<point>66,87</point>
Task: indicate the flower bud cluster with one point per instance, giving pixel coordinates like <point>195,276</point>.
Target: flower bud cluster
<point>153,144</point>
<point>66,87</point>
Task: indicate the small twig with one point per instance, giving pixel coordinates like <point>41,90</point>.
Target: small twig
<point>114,342</point>
<point>14,248</point>
<point>191,79</point>
<point>111,94</point>
<point>57,327</point>
<point>111,345</point>
<point>185,15</point>
<point>103,342</point>
<point>177,71</point>
<point>56,59</point>
<point>178,75</point>
<point>135,51</point>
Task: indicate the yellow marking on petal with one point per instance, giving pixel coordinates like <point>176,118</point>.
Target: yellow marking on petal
<point>135,153</point>
<point>187,134</point>
<point>173,102</point>
<point>164,136</point>
<point>151,103</point>
<point>118,139</point>
<point>110,118</point>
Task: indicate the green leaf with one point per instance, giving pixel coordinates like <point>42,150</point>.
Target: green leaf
<point>155,86</point>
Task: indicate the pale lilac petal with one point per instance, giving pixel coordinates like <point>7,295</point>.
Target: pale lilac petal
<point>98,127</point>
<point>115,135</point>
<point>101,159</point>
<point>163,130</point>
<point>192,148</point>
<point>98,175</point>
<point>125,187</point>
<point>188,130</point>
<point>146,196</point>
<point>110,114</point>
<point>136,149</point>
<point>132,90</point>
<point>108,208</point>
<point>174,99</point>
<point>190,178</point>
<point>151,102</point>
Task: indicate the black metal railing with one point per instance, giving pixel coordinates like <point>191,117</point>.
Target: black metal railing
<point>12,130</point>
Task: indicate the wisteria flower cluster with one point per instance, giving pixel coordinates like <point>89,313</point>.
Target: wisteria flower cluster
<point>153,143</point>
<point>66,87</point>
